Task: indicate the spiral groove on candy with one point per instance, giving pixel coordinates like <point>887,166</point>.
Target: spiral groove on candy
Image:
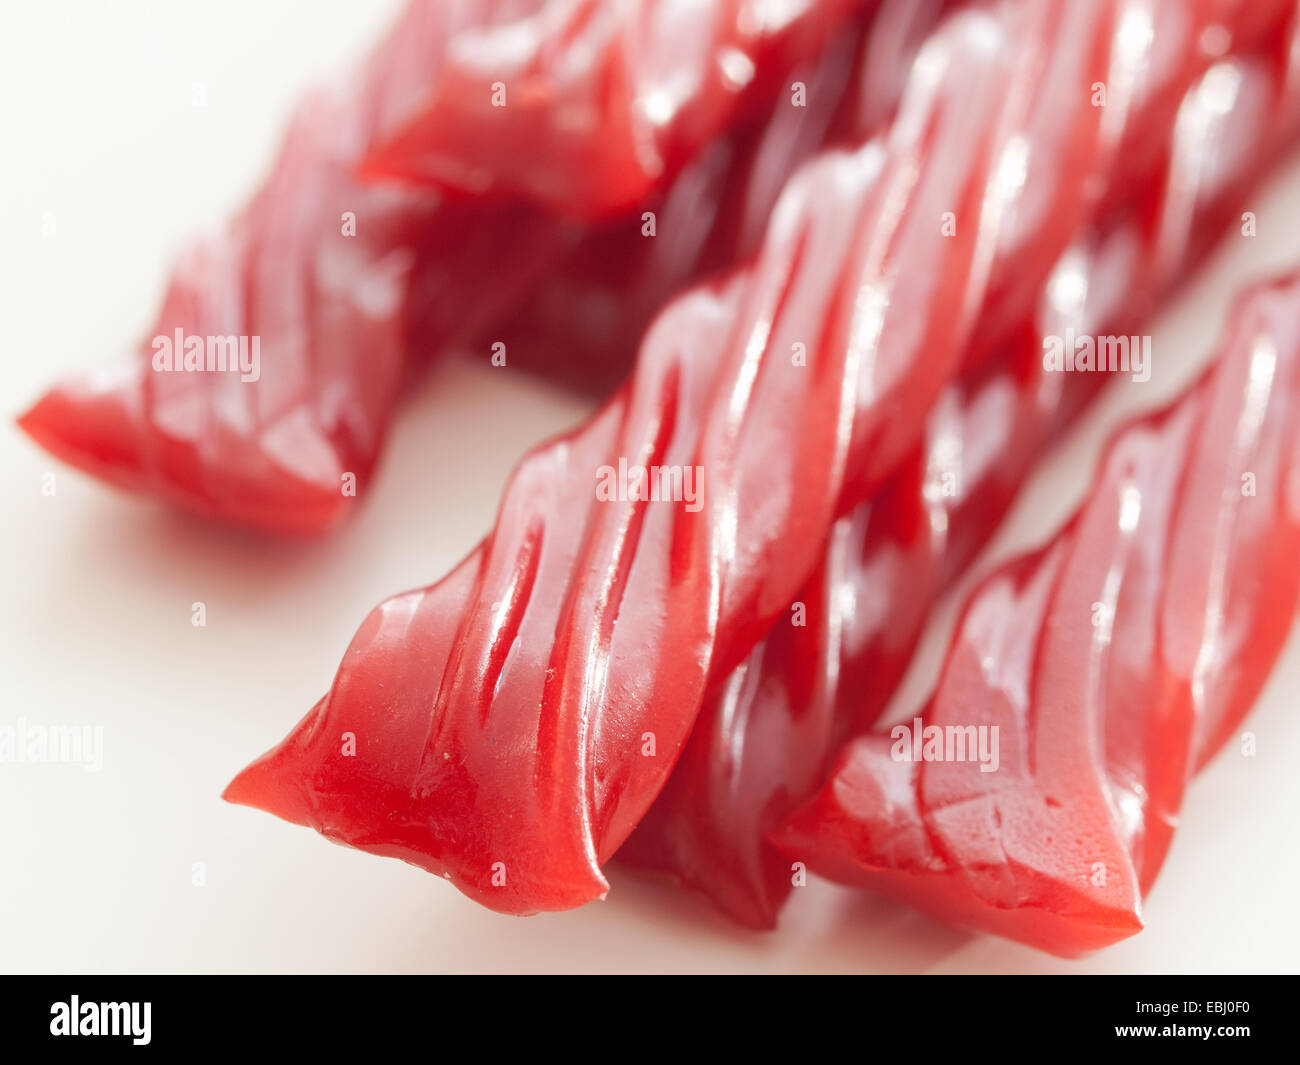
<point>1113,663</point>
<point>768,731</point>
<point>585,105</point>
<point>515,721</point>
<point>350,288</point>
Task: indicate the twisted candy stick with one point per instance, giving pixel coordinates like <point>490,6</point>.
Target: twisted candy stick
<point>513,723</point>
<point>581,325</point>
<point>270,444</point>
<point>587,105</point>
<point>341,319</point>
<point>768,731</point>
<point>1111,663</point>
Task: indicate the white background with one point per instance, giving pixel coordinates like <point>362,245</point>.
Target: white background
<point>99,131</point>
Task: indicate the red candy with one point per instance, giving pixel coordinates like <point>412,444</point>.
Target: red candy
<point>768,730</point>
<point>823,247</point>
<point>1111,663</point>
<point>345,312</point>
<point>587,106</point>
<point>341,284</point>
<point>515,721</point>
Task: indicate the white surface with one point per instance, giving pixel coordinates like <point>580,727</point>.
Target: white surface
<point>95,869</point>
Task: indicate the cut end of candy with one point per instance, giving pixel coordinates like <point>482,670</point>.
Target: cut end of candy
<point>86,429</point>
<point>896,862</point>
<point>262,786</point>
<point>306,781</point>
<point>291,482</point>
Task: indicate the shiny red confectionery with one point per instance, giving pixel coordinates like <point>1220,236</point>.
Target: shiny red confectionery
<point>350,290</point>
<point>586,106</point>
<point>769,730</point>
<point>1095,675</point>
<point>515,721</point>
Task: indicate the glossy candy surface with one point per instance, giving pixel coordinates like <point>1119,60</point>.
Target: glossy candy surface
<point>343,320</point>
<point>587,106</point>
<point>1112,663</point>
<point>768,731</point>
<point>335,314</point>
<point>582,324</point>
<point>515,720</point>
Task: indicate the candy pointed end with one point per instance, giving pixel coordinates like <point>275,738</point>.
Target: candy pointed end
<point>261,786</point>
<point>87,428</point>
